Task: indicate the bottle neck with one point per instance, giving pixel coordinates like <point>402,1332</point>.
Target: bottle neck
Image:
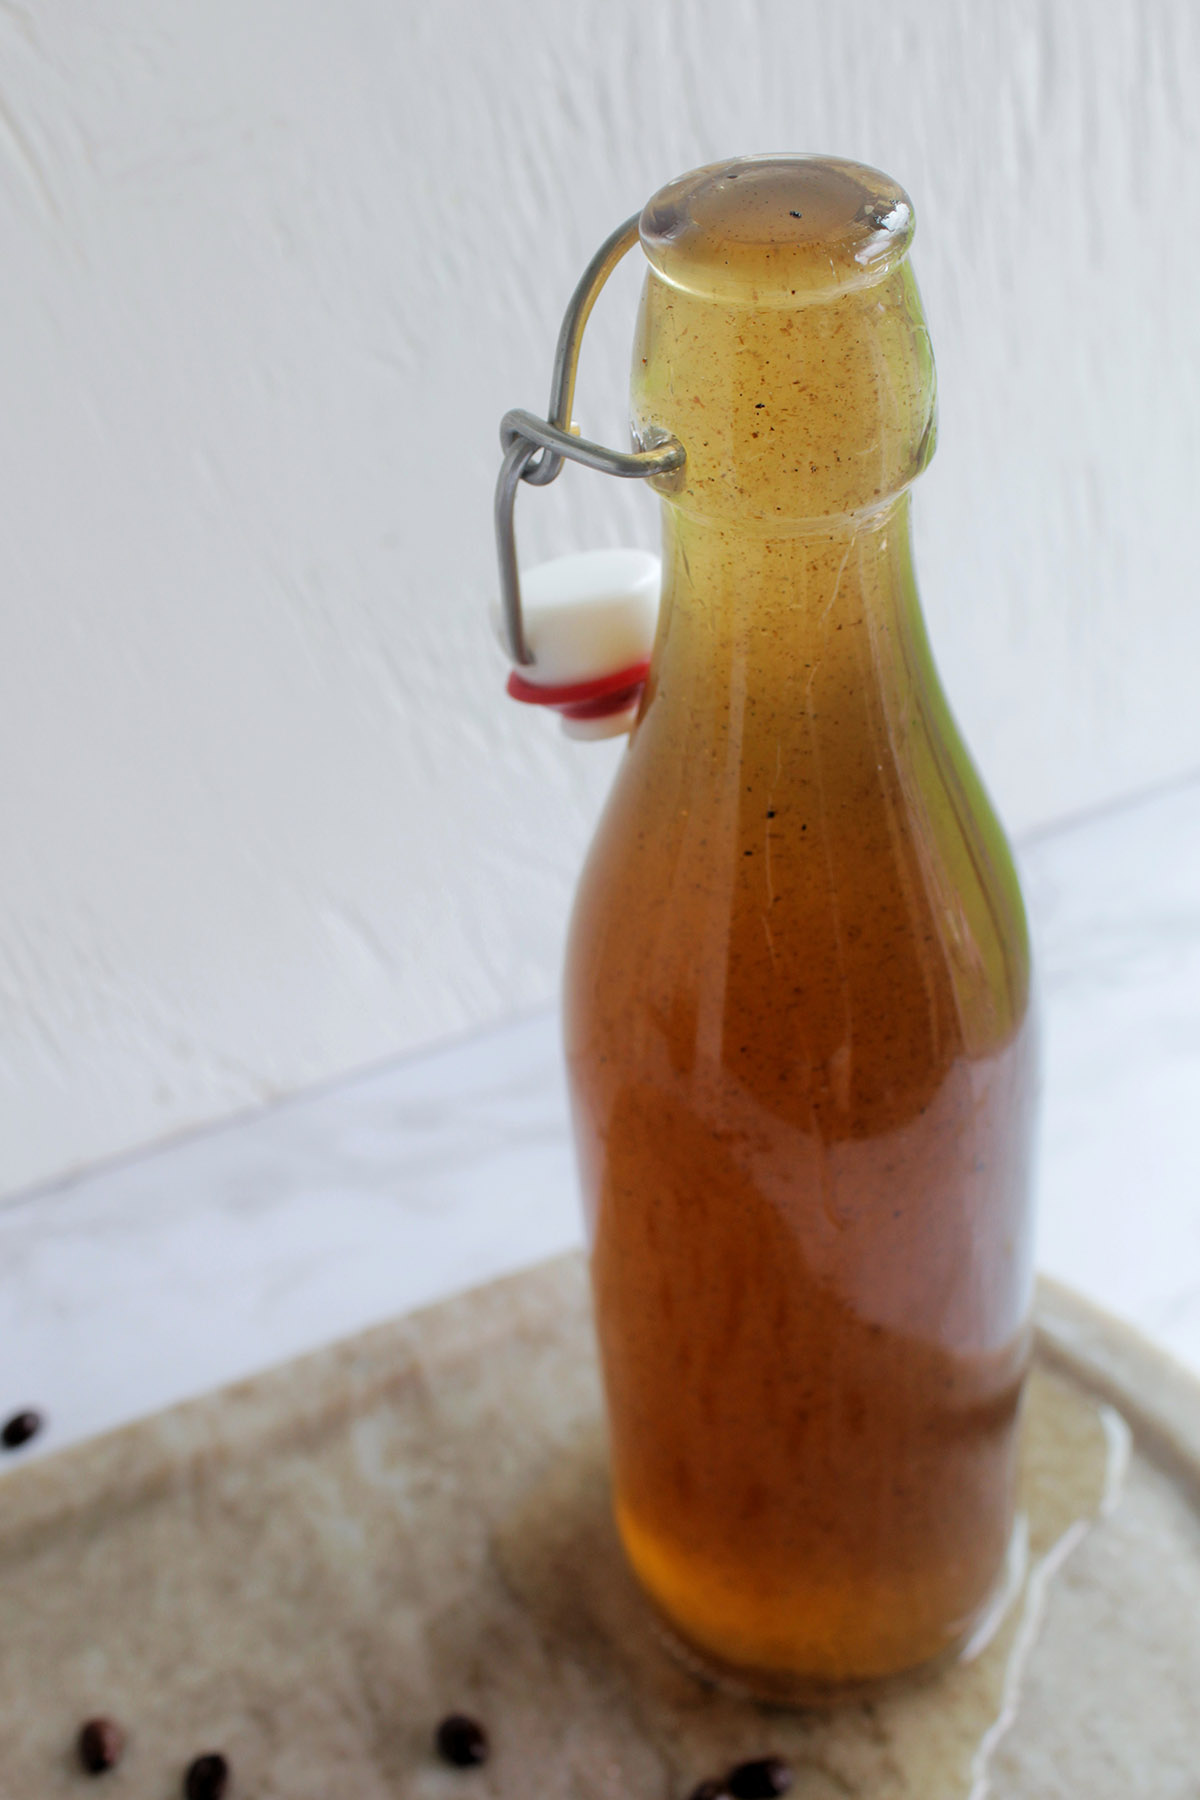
<point>826,614</point>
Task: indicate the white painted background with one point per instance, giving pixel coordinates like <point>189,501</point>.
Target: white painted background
<point>271,271</point>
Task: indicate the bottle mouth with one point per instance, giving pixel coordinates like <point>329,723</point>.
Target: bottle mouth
<point>777,230</point>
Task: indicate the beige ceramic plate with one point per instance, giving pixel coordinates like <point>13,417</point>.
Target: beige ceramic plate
<point>308,1570</point>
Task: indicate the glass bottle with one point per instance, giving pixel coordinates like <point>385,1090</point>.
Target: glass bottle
<point>797,995</point>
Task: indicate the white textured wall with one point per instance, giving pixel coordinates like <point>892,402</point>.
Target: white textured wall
<point>271,271</point>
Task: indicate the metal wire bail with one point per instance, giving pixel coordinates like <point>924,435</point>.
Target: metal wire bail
<point>535,449</point>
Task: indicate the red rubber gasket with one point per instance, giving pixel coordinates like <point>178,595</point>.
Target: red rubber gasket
<point>604,706</point>
<point>622,685</point>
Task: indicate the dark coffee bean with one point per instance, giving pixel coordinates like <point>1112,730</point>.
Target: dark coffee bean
<point>709,1790</point>
<point>207,1777</point>
<point>101,1743</point>
<point>764,1779</point>
<point>19,1429</point>
<point>462,1741</point>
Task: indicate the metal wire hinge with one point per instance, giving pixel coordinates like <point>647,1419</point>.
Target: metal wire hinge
<point>535,449</point>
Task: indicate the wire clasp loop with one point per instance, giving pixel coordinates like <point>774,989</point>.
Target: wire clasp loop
<point>535,449</point>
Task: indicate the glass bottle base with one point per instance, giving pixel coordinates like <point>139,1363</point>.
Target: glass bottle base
<point>786,1688</point>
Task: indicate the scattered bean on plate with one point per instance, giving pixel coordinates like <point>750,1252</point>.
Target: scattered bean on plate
<point>101,1744</point>
<point>207,1777</point>
<point>462,1741</point>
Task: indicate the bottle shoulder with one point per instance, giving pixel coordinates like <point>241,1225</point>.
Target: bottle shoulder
<point>868,911</point>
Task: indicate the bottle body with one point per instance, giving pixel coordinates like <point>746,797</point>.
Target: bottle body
<point>800,1051</point>
<point>801,1063</point>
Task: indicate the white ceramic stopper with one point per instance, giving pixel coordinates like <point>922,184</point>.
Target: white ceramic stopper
<point>589,614</point>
